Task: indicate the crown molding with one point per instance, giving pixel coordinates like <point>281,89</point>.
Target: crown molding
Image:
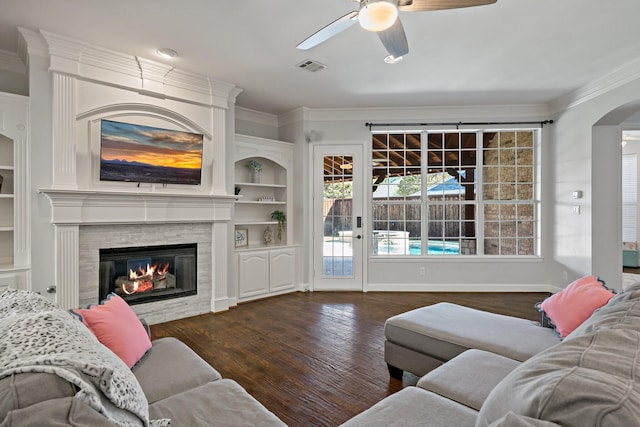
<point>612,80</point>
<point>441,113</point>
<point>31,43</point>
<point>233,95</point>
<point>94,63</point>
<point>258,117</point>
<point>297,115</point>
<point>10,61</point>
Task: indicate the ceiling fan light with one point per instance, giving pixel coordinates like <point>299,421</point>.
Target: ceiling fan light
<point>390,59</point>
<point>167,53</point>
<point>377,15</point>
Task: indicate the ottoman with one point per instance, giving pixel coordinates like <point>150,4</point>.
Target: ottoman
<point>422,339</point>
<point>414,406</point>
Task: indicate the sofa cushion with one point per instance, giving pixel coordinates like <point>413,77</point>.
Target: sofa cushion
<point>621,312</point>
<point>19,391</point>
<point>445,330</point>
<point>117,327</point>
<point>469,377</point>
<point>220,403</point>
<point>578,383</point>
<point>567,309</point>
<point>171,367</point>
<point>413,406</point>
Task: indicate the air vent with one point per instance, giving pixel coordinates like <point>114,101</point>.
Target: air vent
<point>311,65</point>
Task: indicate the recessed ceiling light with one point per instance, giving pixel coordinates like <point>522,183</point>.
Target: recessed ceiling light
<point>167,53</point>
<point>392,59</point>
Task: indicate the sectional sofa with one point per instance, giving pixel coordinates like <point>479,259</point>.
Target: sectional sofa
<point>56,370</point>
<point>493,370</point>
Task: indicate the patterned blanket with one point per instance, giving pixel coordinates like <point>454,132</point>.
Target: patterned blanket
<point>38,336</point>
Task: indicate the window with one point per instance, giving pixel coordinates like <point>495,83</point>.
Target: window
<point>629,197</point>
<point>452,193</point>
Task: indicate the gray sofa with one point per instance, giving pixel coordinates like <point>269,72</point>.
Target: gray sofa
<point>492,370</point>
<point>46,379</point>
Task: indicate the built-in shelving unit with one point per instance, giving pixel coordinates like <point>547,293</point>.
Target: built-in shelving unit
<point>14,197</point>
<point>6,203</point>
<point>263,268</point>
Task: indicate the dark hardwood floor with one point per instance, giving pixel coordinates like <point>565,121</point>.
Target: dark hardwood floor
<point>316,358</point>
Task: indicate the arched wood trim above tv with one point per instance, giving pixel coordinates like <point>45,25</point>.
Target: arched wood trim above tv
<point>113,111</point>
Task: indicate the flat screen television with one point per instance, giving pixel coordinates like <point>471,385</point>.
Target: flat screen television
<point>136,153</point>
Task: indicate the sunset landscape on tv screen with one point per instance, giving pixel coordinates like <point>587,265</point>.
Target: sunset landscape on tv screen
<point>136,153</point>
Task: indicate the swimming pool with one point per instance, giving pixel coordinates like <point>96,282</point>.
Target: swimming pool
<point>433,248</point>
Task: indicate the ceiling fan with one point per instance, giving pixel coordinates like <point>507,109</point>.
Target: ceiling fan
<point>381,16</point>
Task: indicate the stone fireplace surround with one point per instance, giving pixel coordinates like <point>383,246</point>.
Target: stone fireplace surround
<point>87,221</point>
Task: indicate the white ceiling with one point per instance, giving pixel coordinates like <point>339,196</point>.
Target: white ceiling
<point>511,52</point>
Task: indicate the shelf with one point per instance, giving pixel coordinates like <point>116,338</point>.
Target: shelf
<point>257,202</point>
<point>256,222</point>
<point>9,267</point>
<point>257,184</point>
<point>15,194</point>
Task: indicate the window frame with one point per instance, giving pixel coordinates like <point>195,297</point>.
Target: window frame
<point>479,202</point>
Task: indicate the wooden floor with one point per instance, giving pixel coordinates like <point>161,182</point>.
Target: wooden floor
<point>316,359</point>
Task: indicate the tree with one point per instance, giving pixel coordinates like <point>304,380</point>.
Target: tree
<point>338,190</point>
<point>409,185</point>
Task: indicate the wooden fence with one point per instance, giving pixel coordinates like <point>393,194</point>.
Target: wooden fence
<point>395,217</point>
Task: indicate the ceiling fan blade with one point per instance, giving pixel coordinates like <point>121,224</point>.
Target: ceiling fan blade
<point>330,30</point>
<point>395,40</point>
<point>421,5</point>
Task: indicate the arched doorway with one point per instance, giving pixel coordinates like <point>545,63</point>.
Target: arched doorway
<point>607,235</point>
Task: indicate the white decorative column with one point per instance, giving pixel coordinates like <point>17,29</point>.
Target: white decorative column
<point>66,265</point>
<point>218,139</point>
<point>65,54</point>
<point>21,200</point>
<point>219,260</point>
<point>64,121</point>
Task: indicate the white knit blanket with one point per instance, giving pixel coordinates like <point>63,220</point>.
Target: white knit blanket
<point>38,336</point>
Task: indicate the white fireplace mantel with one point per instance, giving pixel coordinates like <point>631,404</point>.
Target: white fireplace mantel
<point>71,209</point>
<point>117,207</point>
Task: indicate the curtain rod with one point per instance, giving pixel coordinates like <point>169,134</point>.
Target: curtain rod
<point>458,124</point>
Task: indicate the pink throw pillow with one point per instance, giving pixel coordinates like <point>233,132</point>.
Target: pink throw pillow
<point>117,327</point>
<point>574,304</point>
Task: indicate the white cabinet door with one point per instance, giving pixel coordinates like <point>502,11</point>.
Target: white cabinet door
<point>253,274</point>
<point>281,269</point>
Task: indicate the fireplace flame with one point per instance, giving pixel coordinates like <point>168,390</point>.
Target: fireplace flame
<point>144,280</point>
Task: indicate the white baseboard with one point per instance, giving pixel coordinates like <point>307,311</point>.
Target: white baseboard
<point>461,287</point>
<point>220,304</point>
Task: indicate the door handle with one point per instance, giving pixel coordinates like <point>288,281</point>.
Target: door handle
<point>358,237</point>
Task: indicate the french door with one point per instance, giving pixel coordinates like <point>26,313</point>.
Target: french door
<point>338,226</point>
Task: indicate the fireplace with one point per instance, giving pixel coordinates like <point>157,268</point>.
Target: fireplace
<point>149,273</point>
